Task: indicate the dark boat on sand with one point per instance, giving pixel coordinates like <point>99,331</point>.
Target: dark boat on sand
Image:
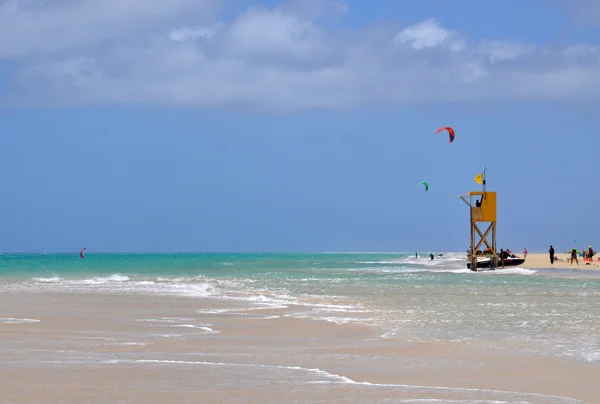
<point>508,262</point>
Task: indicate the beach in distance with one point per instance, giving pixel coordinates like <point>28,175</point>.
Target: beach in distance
<point>561,261</point>
<point>295,328</point>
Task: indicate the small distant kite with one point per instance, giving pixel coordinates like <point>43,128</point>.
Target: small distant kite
<point>425,184</point>
<point>450,133</point>
<point>81,252</point>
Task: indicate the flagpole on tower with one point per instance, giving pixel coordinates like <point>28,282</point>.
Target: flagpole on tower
<point>483,183</point>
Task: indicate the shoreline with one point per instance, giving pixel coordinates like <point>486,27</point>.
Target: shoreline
<point>159,348</point>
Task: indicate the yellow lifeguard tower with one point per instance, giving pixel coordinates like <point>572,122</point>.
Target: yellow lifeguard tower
<point>482,206</point>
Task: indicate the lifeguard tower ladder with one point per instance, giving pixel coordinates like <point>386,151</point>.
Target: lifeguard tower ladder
<point>482,206</point>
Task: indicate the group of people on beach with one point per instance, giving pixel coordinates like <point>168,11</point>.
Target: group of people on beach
<point>586,254</point>
<point>503,254</point>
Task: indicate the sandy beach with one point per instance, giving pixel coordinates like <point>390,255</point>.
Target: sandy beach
<point>94,348</point>
<point>561,261</point>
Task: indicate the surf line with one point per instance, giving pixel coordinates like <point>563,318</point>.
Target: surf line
<point>343,379</point>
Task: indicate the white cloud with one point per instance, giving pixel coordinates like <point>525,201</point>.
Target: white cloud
<point>263,36</point>
<point>429,34</point>
<point>185,34</point>
<point>497,51</point>
<point>179,53</point>
<point>34,27</point>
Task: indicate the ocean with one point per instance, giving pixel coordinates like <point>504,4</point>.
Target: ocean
<point>537,312</point>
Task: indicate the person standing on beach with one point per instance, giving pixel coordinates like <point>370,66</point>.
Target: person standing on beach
<point>551,251</point>
<point>524,252</point>
<point>591,253</point>
<point>574,256</point>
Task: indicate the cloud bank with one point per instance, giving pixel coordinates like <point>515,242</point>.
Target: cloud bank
<point>184,53</point>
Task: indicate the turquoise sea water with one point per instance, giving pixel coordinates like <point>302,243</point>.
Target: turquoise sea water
<point>542,312</point>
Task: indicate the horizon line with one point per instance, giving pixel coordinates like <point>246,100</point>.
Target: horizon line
<point>213,252</point>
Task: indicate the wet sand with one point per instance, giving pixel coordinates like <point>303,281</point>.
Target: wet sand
<point>101,348</point>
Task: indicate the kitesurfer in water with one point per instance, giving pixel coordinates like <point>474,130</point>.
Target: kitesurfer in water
<point>431,255</point>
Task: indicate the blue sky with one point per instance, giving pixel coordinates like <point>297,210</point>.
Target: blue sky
<point>296,125</point>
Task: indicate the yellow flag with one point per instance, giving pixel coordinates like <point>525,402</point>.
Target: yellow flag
<point>479,178</point>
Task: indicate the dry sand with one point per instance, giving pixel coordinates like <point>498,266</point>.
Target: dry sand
<point>561,261</point>
<point>90,348</point>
